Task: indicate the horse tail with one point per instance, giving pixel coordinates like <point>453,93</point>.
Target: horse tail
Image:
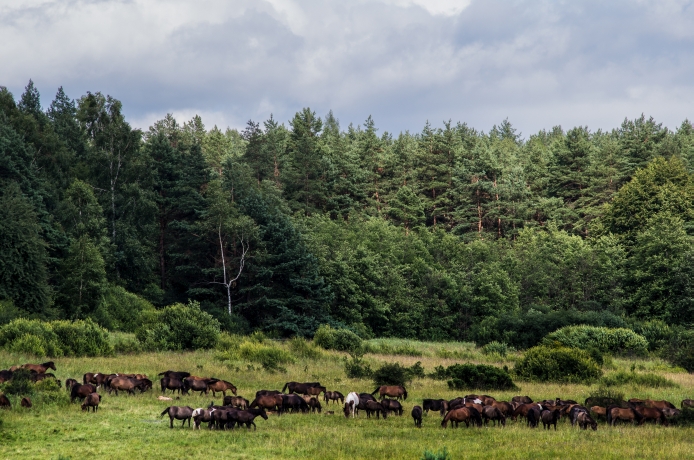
<point>285,387</point>
<point>608,414</point>
<point>376,391</point>
<point>444,422</point>
<point>166,411</point>
<point>404,393</point>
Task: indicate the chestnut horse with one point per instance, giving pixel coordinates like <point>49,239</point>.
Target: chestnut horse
<point>615,413</point>
<point>223,386</point>
<point>394,391</point>
<point>40,368</point>
<point>462,414</point>
<point>333,396</point>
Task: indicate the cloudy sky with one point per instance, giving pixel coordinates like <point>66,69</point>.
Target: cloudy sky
<point>539,63</point>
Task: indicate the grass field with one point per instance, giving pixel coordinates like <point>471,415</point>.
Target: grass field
<point>130,426</point>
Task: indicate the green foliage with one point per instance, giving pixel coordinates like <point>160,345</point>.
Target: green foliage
<point>256,349</point>
<point>392,374</point>
<point>20,385</point>
<point>474,377</point>
<point>125,343</point>
<point>82,338</point>
<point>30,336</point>
<point>648,380</point>
<point>606,340</point>
<point>565,365</point>
<point>338,339</point>
<point>438,455</point>
<point>179,327</point>
<point>302,348</point>
<point>656,332</point>
<point>680,350</point>
<point>357,368</point>
<point>496,348</point>
<point>378,347</point>
<point>604,397</point>
<point>121,310</point>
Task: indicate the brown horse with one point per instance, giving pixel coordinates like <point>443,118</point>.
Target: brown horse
<point>493,413</point>
<point>236,401</point>
<point>26,402</point>
<point>550,417</point>
<point>200,384</point>
<point>127,384</point>
<point>69,383</point>
<point>394,391</point>
<point>223,386</point>
<point>246,417</point>
<point>485,400</point>
<point>662,404</point>
<point>81,391</point>
<point>505,407</point>
<point>5,375</point>
<point>583,420</point>
<point>179,413</point>
<point>651,413</point>
<point>40,368</point>
<point>462,414</point>
<point>92,400</point>
<point>95,378</point>
<point>4,402</point>
<point>333,396</point>
<point>173,384</point>
<point>687,403</point>
<point>268,402</point>
<point>521,400</point>
<point>615,413</point>
<point>417,416</point>
<point>599,411</point>
<point>377,408</point>
<point>315,391</point>
<point>522,410</point>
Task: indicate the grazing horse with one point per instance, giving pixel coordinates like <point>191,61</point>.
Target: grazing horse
<point>4,402</point>
<point>574,411</point>
<point>315,391</point>
<point>440,405</point>
<point>615,413</point>
<point>127,384</point>
<point>522,399</point>
<point>201,384</point>
<point>81,391</point>
<point>92,400</point>
<point>260,393</point>
<point>505,407</point>
<point>493,413</point>
<point>462,414</point>
<point>299,388</point>
<point>26,402</point>
<point>203,416</point>
<point>314,405</point>
<point>268,402</point>
<point>534,416</point>
<point>351,403</point>
<point>173,384</point>
<point>391,405</point>
<point>651,413</point>
<point>599,411</point>
<point>40,368</point>
<point>293,402</point>
<point>584,420</point>
<point>97,379</point>
<point>522,410</point>
<point>662,404</point>
<point>550,417</point>
<point>333,396</point>
<point>375,406</point>
<point>223,386</point>
<point>236,401</point>
<point>179,413</point>
<point>687,403</point>
<point>417,416</point>
<point>394,391</point>
<point>69,383</point>
<point>247,416</point>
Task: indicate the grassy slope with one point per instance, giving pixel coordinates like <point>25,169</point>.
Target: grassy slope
<point>129,427</point>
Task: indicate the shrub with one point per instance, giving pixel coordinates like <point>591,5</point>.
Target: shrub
<point>496,348</point>
<point>121,310</point>
<point>391,374</point>
<point>338,339</point>
<point>607,340</point>
<point>680,351</point>
<point>124,343</point>
<point>604,397</point>
<point>302,348</point>
<point>269,356</point>
<point>632,378</point>
<point>356,368</point>
<point>9,312</point>
<point>568,365</point>
<point>20,384</point>
<point>438,455</point>
<point>82,338</point>
<point>474,377</point>
<point>179,327</point>
<point>658,333</point>
<point>30,336</point>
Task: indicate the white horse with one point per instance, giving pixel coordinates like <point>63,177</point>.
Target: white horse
<point>351,403</point>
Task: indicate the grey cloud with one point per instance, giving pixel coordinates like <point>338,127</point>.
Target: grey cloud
<point>540,63</point>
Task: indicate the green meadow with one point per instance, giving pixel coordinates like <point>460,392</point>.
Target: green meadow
<point>130,427</point>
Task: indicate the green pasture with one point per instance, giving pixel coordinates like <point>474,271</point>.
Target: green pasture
<point>130,426</point>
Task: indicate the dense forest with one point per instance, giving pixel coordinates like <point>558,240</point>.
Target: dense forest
<point>446,234</point>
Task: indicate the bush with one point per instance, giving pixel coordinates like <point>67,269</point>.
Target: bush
<point>82,338</point>
<point>124,343</point>
<point>474,377</point>
<point>632,378</point>
<point>496,348</point>
<point>20,385</point>
<point>605,397</point>
<point>607,340</point>
<point>30,336</point>
<point>338,339</point>
<point>386,349</point>
<point>121,310</point>
<point>269,356</point>
<point>680,351</point>
<point>565,365</point>
<point>656,332</point>
<point>302,348</point>
<point>356,368</point>
<point>392,374</point>
<point>179,327</point>
<point>438,455</point>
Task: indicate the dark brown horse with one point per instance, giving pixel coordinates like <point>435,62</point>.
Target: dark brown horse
<point>314,405</point>
<point>299,388</point>
<point>174,384</point>
<point>333,396</point>
<point>40,368</point>
<point>391,405</point>
<point>651,413</point>
<point>236,401</point>
<point>81,391</point>
<point>584,420</point>
<point>26,402</point>
<point>417,416</point>
<point>505,407</point>
<point>462,414</point>
<point>522,399</point>
<point>522,410</point>
<point>246,417</point>
<point>223,386</point>
<point>550,417</point>
<point>687,403</point>
<point>69,383</point>
<point>375,407</point>
<point>4,402</point>
<point>179,413</point>
<point>175,374</point>
<point>440,405</point>
<point>5,375</point>
<point>268,402</point>
<point>394,391</point>
<point>493,413</point>
<point>92,400</point>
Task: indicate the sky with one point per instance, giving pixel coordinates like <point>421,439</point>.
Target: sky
<point>404,62</point>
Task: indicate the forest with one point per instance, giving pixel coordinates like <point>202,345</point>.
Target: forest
<point>450,233</point>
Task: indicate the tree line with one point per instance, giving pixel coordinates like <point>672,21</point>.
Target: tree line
<point>449,233</point>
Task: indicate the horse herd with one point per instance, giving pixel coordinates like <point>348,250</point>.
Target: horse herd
<point>473,409</point>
